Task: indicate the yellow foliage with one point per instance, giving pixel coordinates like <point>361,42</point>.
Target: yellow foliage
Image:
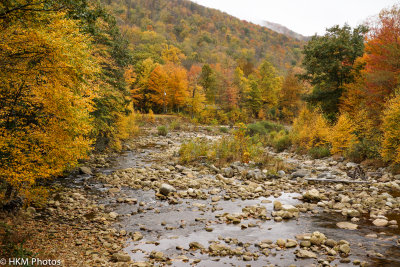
<point>342,135</point>
<point>151,117</point>
<point>310,129</point>
<point>126,127</point>
<point>45,105</point>
<point>391,131</point>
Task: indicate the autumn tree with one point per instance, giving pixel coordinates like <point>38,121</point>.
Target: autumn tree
<point>290,101</point>
<point>197,97</point>
<point>47,84</point>
<point>269,84</point>
<point>157,84</point>
<point>382,58</point>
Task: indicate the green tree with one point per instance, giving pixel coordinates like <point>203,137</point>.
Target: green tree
<point>329,64</point>
<point>209,82</point>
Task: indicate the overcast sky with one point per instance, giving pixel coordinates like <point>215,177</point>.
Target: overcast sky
<point>306,17</point>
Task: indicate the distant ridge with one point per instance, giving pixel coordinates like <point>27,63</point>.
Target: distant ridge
<point>283,30</point>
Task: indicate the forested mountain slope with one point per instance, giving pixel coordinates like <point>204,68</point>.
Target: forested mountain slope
<point>203,34</point>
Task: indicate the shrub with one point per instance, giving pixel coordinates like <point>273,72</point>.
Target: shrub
<point>238,147</point>
<point>281,141</point>
<point>319,152</point>
<point>175,125</point>
<point>256,129</point>
<point>342,136</point>
<point>364,149</point>
<point>127,127</point>
<point>391,131</point>
<point>151,117</point>
<point>162,130</point>
<point>263,128</point>
<point>223,129</point>
<point>194,150</point>
<point>310,130</point>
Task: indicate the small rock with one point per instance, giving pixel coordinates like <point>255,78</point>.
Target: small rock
<point>196,245</point>
<point>347,225</point>
<point>113,215</point>
<point>317,238</point>
<point>277,205</point>
<point>300,173</point>
<point>281,242</point>
<point>85,170</point>
<point>31,211</point>
<point>119,257</point>
<point>302,253</point>
<point>380,222</point>
<point>165,189</point>
<point>290,243</point>
<point>312,194</point>
<point>136,236</point>
<point>345,248</point>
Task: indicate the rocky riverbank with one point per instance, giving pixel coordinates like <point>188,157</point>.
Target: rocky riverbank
<point>145,208</point>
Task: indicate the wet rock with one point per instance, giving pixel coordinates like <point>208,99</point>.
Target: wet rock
<point>351,212</point>
<point>247,258</point>
<point>216,248</point>
<point>302,253</point>
<point>136,236</point>
<point>380,222</point>
<point>196,245</point>
<point>281,242</point>
<point>347,225</point>
<point>330,243</point>
<point>119,257</point>
<point>305,243</point>
<point>157,255</point>
<point>165,189</point>
<point>277,205</point>
<point>344,248</point>
<point>317,238</point>
<point>312,195</point>
<point>289,208</point>
<point>290,243</point>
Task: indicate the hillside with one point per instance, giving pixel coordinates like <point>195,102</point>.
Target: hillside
<point>203,34</point>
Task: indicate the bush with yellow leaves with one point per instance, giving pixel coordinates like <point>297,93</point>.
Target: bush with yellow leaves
<point>391,131</point>
<point>126,127</point>
<point>342,135</point>
<point>310,129</point>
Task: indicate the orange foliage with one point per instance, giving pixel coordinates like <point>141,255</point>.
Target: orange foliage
<point>382,57</point>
